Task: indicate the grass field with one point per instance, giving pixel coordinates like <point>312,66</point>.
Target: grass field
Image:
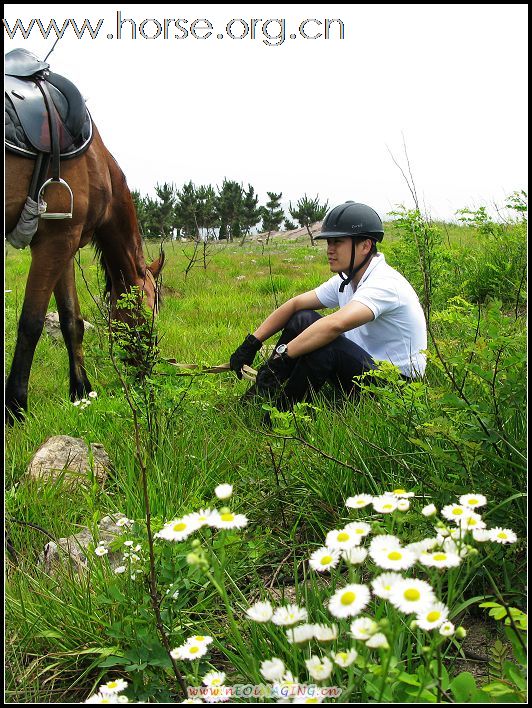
<point>461,431</point>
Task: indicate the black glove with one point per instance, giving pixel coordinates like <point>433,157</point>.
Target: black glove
<point>244,354</point>
<point>274,373</point>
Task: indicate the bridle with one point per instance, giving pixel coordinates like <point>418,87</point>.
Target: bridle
<point>151,278</point>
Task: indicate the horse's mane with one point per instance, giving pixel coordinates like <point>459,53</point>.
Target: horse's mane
<point>103,266</point>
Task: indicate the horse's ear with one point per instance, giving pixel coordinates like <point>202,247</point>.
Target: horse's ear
<point>157,265</point>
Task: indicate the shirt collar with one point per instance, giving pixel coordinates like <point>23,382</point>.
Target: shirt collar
<point>374,263</point>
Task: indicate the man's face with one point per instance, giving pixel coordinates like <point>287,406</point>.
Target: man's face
<point>339,253</point>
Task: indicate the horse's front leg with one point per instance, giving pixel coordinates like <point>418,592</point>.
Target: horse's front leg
<point>72,328</point>
<point>47,264</point>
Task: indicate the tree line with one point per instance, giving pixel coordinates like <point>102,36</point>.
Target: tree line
<point>228,212</point>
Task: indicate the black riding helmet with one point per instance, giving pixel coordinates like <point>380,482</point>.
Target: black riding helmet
<point>354,220</point>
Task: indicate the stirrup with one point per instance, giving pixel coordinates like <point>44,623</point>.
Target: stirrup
<point>52,214</point>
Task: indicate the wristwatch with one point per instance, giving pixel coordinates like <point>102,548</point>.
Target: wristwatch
<point>281,352</point>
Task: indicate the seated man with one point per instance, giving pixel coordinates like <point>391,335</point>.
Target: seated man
<point>380,318</point>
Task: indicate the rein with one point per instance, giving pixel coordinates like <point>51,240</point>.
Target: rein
<point>247,372</point>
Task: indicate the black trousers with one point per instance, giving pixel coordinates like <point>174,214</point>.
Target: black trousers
<point>338,362</point>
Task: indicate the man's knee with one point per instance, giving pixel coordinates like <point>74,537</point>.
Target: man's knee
<point>301,320</point>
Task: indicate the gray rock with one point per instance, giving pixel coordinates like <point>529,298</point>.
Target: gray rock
<point>62,455</point>
<point>53,328</point>
<point>75,549</point>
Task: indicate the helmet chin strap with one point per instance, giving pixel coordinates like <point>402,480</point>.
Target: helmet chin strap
<point>353,271</point>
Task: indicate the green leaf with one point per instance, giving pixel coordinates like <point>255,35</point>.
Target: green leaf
<point>463,687</point>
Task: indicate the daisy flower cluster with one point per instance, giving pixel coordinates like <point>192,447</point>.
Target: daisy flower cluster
<point>110,693</point>
<point>84,402</point>
<point>193,648</point>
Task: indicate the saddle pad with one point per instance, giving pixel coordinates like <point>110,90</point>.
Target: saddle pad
<point>26,122</point>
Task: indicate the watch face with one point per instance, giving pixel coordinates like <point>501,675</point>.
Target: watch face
<point>281,349</point>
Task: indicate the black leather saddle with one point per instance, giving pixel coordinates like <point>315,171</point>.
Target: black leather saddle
<point>46,119</point>
<point>40,103</point>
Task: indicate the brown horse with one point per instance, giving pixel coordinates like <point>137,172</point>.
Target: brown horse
<point>103,213</point>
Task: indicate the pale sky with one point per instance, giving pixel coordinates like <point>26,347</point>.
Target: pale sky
<point>315,116</point>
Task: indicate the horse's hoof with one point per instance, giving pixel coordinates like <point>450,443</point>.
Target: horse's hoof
<point>13,414</point>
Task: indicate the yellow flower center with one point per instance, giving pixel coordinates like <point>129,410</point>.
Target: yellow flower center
<point>342,655</point>
<point>412,595</point>
<point>433,616</point>
<point>199,638</point>
<point>180,527</point>
<point>471,521</point>
<point>472,501</point>
<point>388,506</point>
<point>399,491</point>
<point>395,556</point>
<point>348,598</point>
<point>439,556</point>
<point>193,650</point>
<point>325,560</point>
<point>457,511</point>
<point>111,684</point>
<point>227,517</point>
<point>215,682</point>
<point>501,534</point>
<point>359,530</point>
<point>343,536</point>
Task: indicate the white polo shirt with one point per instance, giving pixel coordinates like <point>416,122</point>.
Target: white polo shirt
<point>399,332</point>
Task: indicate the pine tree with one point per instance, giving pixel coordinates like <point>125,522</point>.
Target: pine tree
<point>308,211</point>
<point>229,209</point>
<point>251,213</point>
<point>272,214</point>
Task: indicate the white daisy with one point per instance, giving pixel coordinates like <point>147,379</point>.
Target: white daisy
<point>223,491</point>
<point>394,559</point>
<point>362,628</point>
<point>385,504</point>
<point>201,517</point>
<point>227,520</point>
<point>418,547</point>
<point>429,510</point>
<point>93,394</point>
<point>214,678</point>
<point>319,668</point>
<point>101,551</point>
<point>120,569</point>
<point>300,634</point>
<point>260,611</point>
<point>359,501</point>
<point>384,542</point>
<point>178,529</point>
<point>481,535</point>
<point>403,505</point>
<point>189,651</point>
<point>325,632</point>
<point>123,521</point>
<point>401,493</point>
<point>344,658</point>
<point>289,614</point>
<point>433,616</point>
<point>449,545</point>
<point>116,686</point>
<point>359,528</point>
<point>342,539</point>
<point>440,559</point>
<point>455,512</point>
<point>447,629</point>
<point>472,521</point>
<point>412,595</point>
<point>500,535</point>
<point>200,639</point>
<point>473,500</point>
<point>355,555</point>
<point>324,558</point>
<point>383,584</point>
<point>102,698</point>
<point>349,600</point>
<point>272,669</point>
<point>377,641</point>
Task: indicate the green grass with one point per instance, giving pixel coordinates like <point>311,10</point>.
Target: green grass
<point>292,492</point>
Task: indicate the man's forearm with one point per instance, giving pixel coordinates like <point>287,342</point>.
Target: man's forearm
<point>276,321</point>
<point>318,335</point>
